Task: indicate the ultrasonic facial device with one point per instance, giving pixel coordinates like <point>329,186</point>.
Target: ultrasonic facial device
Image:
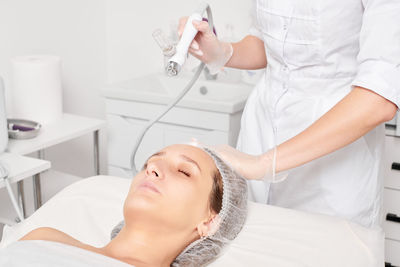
<point>176,62</point>
<point>174,65</point>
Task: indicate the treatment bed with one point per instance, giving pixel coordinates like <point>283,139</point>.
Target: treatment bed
<point>272,236</point>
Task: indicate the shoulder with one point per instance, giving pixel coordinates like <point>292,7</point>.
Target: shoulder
<point>51,234</point>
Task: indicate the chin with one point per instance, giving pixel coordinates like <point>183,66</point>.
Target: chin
<point>141,203</point>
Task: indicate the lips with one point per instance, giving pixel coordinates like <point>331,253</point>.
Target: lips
<point>150,186</point>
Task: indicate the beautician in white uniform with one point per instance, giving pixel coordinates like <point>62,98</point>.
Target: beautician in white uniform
<point>332,79</point>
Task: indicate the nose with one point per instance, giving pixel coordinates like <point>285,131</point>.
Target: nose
<point>153,171</point>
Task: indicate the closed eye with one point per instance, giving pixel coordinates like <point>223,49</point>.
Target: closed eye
<point>185,173</point>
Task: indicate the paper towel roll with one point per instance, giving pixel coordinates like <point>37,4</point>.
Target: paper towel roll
<point>37,91</point>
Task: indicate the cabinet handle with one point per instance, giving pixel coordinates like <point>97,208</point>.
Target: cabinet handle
<point>392,217</point>
<point>396,166</point>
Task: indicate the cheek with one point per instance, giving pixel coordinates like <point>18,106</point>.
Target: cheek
<point>188,201</point>
<point>132,201</point>
<point>137,179</point>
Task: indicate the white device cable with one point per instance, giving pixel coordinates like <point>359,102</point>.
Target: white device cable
<point>4,175</point>
<point>186,41</point>
<point>168,108</point>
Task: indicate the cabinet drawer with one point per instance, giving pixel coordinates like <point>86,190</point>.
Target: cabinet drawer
<point>392,155</point>
<point>178,116</point>
<point>392,206</point>
<point>392,252</point>
<point>123,131</point>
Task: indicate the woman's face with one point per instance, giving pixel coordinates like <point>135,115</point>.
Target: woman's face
<point>172,191</point>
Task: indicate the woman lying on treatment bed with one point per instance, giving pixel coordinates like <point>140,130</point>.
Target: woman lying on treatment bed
<point>181,209</point>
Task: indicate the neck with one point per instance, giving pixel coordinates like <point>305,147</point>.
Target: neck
<point>145,248</point>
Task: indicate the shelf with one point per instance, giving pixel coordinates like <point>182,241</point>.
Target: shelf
<point>67,128</point>
<point>21,167</point>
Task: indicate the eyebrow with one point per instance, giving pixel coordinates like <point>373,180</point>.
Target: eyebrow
<point>191,161</point>
<point>159,153</point>
<point>186,158</point>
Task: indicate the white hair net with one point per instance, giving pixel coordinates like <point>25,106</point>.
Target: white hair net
<point>231,219</point>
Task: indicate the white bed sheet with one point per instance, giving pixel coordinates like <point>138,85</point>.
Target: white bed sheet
<point>272,236</point>
<point>40,253</point>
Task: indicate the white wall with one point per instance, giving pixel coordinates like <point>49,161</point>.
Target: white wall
<point>99,41</point>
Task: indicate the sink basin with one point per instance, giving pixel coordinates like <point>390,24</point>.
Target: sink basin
<point>161,89</point>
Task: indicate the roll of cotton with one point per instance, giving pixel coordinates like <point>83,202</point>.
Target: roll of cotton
<point>37,90</point>
<point>231,219</point>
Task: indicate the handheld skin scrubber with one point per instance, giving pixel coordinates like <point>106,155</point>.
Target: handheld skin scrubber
<point>174,66</point>
<point>176,62</point>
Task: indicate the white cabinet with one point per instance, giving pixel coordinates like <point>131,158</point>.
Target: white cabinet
<point>391,195</point>
<point>210,112</point>
<point>127,118</point>
<point>392,252</point>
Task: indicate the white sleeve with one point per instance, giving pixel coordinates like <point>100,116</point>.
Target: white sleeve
<point>379,55</point>
<point>254,28</point>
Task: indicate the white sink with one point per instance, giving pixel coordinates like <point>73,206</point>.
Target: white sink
<point>161,89</point>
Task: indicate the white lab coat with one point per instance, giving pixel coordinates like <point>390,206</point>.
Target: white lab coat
<point>316,51</point>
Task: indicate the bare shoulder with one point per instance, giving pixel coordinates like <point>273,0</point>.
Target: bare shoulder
<point>51,234</point>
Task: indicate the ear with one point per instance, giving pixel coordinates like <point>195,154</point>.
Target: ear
<point>208,226</point>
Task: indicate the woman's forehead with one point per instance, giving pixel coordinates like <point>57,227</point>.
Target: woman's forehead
<point>195,153</point>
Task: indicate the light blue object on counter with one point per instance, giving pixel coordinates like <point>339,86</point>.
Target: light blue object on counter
<point>3,118</point>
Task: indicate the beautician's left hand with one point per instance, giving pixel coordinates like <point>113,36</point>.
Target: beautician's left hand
<point>251,167</point>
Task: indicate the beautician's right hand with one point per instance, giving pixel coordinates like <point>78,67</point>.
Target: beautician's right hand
<point>206,46</point>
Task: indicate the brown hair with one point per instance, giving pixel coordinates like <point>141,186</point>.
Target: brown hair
<point>216,192</point>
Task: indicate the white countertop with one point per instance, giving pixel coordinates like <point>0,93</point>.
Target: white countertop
<point>206,95</point>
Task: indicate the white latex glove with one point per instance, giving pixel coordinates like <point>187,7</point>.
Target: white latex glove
<point>260,167</point>
<point>206,46</point>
